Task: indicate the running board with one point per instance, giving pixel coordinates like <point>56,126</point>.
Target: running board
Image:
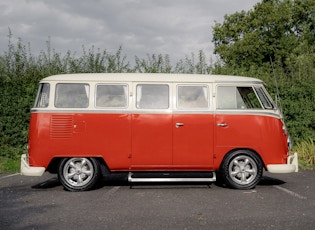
<point>171,177</point>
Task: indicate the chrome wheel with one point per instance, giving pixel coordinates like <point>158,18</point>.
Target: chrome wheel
<point>78,174</point>
<point>78,171</point>
<point>243,170</point>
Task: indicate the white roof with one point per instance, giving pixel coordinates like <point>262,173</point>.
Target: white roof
<point>147,77</point>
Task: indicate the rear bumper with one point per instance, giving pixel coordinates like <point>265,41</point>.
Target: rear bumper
<point>27,170</point>
<point>292,165</point>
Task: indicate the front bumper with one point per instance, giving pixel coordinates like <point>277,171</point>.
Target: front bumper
<point>292,165</point>
<point>28,170</point>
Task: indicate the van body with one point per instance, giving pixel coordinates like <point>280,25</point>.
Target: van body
<point>156,127</point>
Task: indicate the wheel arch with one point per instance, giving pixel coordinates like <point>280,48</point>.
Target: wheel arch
<point>54,163</point>
<point>247,149</point>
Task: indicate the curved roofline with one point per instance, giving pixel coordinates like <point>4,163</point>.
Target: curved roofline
<point>148,77</point>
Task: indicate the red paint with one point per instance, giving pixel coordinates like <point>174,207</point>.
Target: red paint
<point>260,133</point>
<point>129,142</point>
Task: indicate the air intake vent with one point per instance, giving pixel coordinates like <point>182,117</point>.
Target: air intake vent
<point>61,126</point>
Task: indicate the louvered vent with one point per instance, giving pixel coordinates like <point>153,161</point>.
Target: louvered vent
<point>61,126</point>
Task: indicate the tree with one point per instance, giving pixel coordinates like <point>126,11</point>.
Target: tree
<point>153,64</point>
<point>271,31</point>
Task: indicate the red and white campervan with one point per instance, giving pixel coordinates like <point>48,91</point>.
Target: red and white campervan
<point>156,127</point>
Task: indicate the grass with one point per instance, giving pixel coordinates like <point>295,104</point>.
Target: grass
<point>306,152</point>
<point>8,165</point>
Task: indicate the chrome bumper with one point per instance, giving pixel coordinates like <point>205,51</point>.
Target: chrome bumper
<point>27,170</point>
<point>292,165</point>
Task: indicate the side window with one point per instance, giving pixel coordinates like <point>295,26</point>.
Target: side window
<point>72,95</point>
<point>152,96</point>
<point>42,100</point>
<point>232,97</point>
<point>111,96</point>
<point>192,97</point>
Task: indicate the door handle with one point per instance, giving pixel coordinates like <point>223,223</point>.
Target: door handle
<point>179,125</point>
<point>222,125</point>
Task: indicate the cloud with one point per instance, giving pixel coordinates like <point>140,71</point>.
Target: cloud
<point>176,27</point>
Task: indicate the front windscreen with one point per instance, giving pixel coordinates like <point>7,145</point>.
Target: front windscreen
<point>265,100</point>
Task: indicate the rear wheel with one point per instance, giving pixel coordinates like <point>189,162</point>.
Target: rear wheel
<point>78,174</point>
<point>242,169</point>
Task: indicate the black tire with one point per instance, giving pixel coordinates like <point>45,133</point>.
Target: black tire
<point>78,174</point>
<point>241,169</point>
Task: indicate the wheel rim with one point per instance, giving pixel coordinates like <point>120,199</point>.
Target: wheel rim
<point>78,171</point>
<point>243,170</point>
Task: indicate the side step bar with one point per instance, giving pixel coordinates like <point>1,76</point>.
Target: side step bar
<point>171,177</point>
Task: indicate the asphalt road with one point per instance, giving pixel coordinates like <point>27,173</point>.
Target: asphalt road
<point>280,201</point>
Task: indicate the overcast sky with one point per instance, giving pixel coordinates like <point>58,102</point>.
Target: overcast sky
<point>174,27</point>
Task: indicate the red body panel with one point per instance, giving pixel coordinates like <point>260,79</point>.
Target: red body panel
<point>153,141</point>
<point>260,133</point>
<point>62,135</point>
<point>193,142</point>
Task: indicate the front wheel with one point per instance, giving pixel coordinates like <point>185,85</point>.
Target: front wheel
<point>78,174</point>
<point>242,169</point>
